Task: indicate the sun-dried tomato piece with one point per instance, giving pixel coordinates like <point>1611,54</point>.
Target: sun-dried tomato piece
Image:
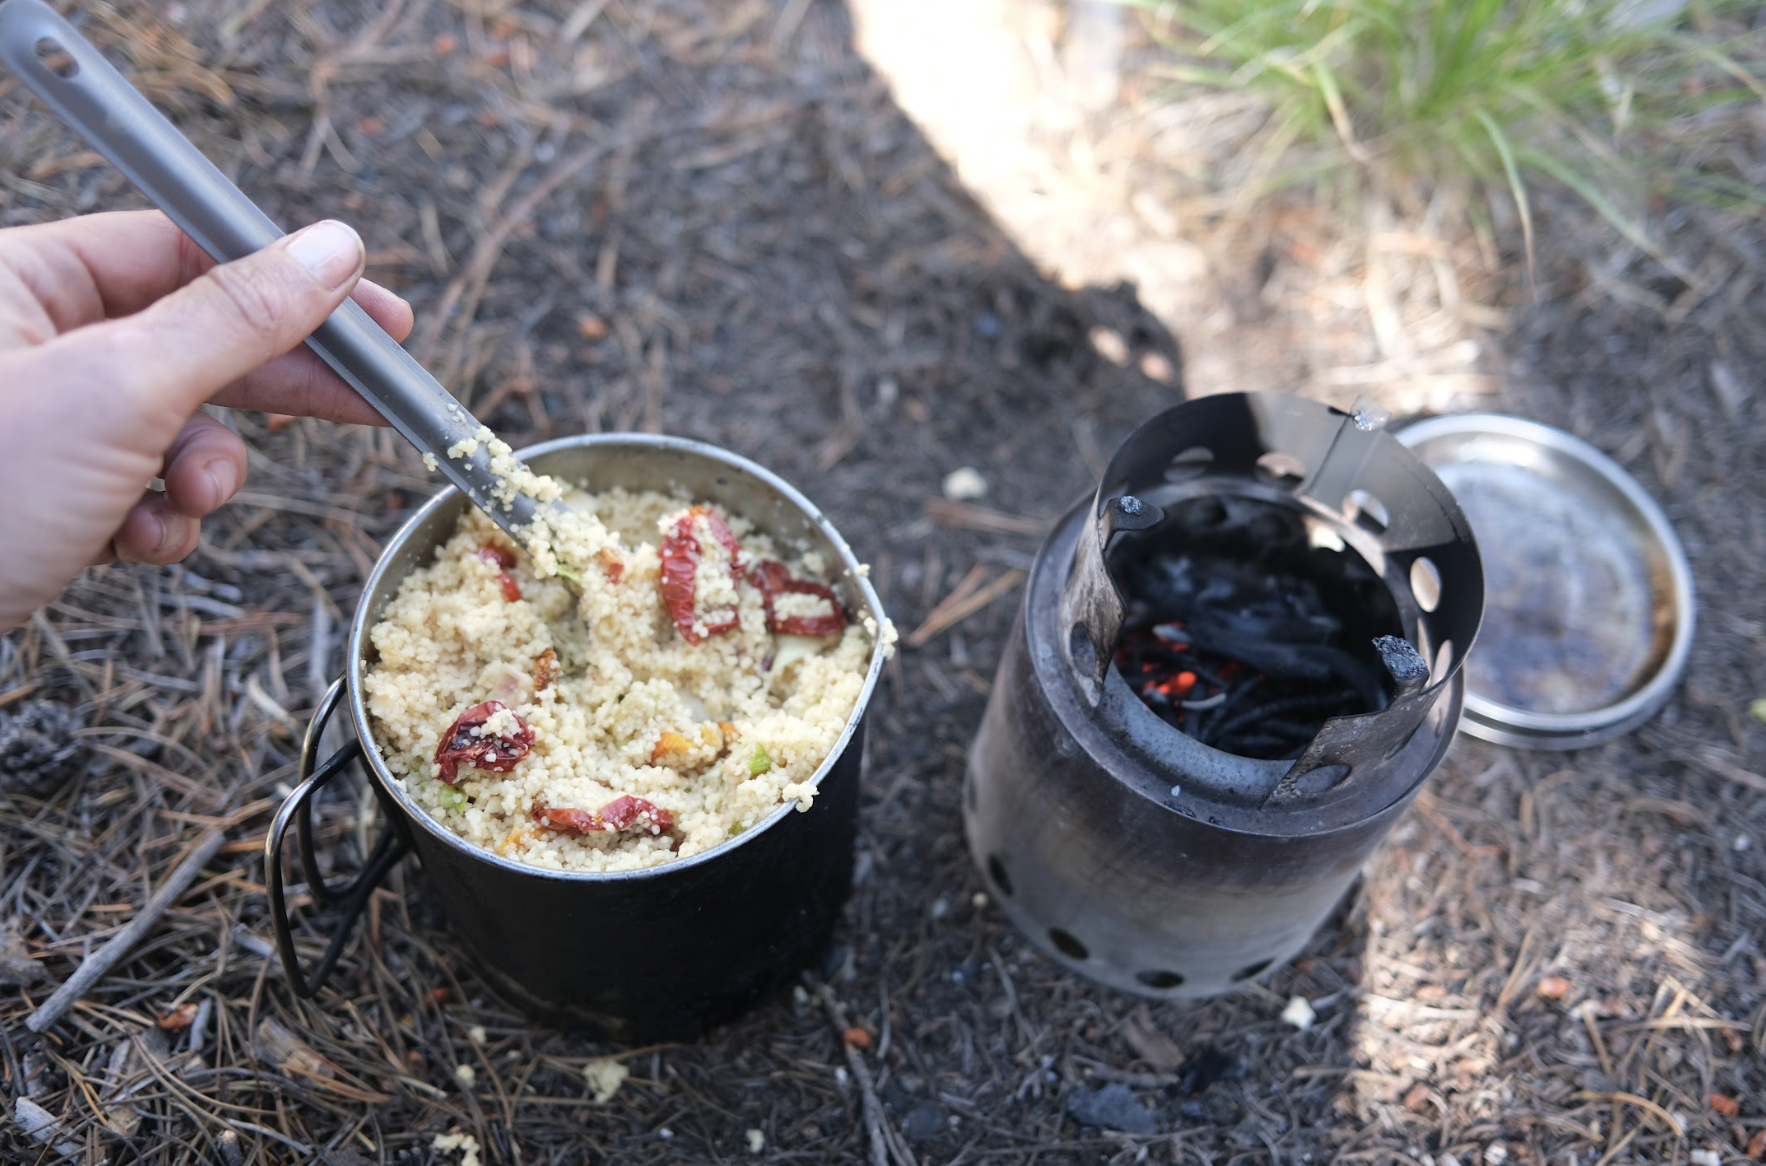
<point>497,753</point>
<point>503,558</point>
<point>500,555</point>
<point>546,670</point>
<point>622,813</point>
<point>773,579</point>
<point>680,556</point>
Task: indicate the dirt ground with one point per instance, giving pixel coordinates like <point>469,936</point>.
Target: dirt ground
<point>714,219</point>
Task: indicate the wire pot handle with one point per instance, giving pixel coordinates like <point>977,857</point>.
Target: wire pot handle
<point>352,896</point>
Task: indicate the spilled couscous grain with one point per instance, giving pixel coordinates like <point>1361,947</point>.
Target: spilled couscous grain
<point>651,679</point>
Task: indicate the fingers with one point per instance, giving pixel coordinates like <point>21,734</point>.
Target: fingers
<point>299,383</point>
<point>204,467</point>
<point>99,267</point>
<point>154,532</point>
<point>389,309</point>
<point>146,373</point>
<point>96,267</point>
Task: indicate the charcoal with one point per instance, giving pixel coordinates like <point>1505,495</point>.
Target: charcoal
<point>1113,1108</point>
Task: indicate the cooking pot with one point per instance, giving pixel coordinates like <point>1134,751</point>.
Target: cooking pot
<point>634,956</point>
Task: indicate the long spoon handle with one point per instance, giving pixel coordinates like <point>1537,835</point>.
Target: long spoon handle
<point>73,78</point>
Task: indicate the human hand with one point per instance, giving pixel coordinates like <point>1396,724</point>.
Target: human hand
<point>114,329</point>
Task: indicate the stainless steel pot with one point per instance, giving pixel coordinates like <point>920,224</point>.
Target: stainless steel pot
<point>635,956</point>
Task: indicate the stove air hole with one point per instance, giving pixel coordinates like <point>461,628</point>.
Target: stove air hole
<point>1283,469</point>
<point>1068,944</point>
<point>1204,513</point>
<point>996,870</point>
<point>1161,980</point>
<point>1425,582</point>
<point>1368,512</point>
<point>1319,781</point>
<point>1249,970</point>
<point>1191,463</point>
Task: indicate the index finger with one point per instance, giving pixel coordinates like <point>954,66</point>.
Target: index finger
<point>99,267</point>
<point>102,266</point>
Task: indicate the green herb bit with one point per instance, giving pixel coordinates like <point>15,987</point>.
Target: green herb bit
<point>760,762</point>
<point>452,798</point>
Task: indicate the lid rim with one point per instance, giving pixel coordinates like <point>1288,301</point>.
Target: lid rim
<point>1505,724</point>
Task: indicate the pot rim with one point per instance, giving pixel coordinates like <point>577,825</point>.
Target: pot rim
<point>359,628</point>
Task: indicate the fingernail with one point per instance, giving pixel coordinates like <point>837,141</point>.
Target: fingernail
<point>167,533</point>
<point>224,478</point>
<point>330,251</point>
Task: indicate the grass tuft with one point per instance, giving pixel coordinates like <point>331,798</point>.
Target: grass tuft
<point>1619,101</point>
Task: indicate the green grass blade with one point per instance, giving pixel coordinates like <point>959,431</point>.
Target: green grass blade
<point>1594,197</point>
<point>1516,187</point>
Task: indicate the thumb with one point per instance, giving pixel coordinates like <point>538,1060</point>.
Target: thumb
<point>187,346</point>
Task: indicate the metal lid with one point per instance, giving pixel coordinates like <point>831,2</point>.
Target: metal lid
<point>1589,602</point>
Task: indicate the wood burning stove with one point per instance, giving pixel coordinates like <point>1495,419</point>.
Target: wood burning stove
<point>1235,666</point>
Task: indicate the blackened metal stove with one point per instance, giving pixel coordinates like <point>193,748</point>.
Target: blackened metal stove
<point>1234,668</point>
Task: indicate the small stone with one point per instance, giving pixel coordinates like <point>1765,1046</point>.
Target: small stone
<point>477,1035</point>
<point>665,1133</point>
<point>756,1141</point>
<point>964,484</point>
<point>1741,843</point>
<point>1155,367</point>
<point>1109,344</point>
<point>1299,1013</point>
<point>1552,988</point>
<point>923,1121</point>
<point>466,1075</point>
<point>1113,1107</point>
<point>1724,1104</point>
<point>1495,1154</point>
<point>978,900</point>
<point>1705,1158</point>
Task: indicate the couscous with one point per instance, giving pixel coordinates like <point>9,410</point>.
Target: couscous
<point>648,682</point>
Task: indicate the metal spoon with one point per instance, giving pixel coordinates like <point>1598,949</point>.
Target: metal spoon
<point>73,78</point>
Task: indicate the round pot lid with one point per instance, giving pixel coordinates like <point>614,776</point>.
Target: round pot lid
<point>1589,606</point>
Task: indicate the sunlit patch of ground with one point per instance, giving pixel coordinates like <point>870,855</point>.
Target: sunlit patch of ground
<point>1054,117</point>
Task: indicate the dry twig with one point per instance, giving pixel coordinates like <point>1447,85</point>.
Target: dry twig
<point>101,961</point>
